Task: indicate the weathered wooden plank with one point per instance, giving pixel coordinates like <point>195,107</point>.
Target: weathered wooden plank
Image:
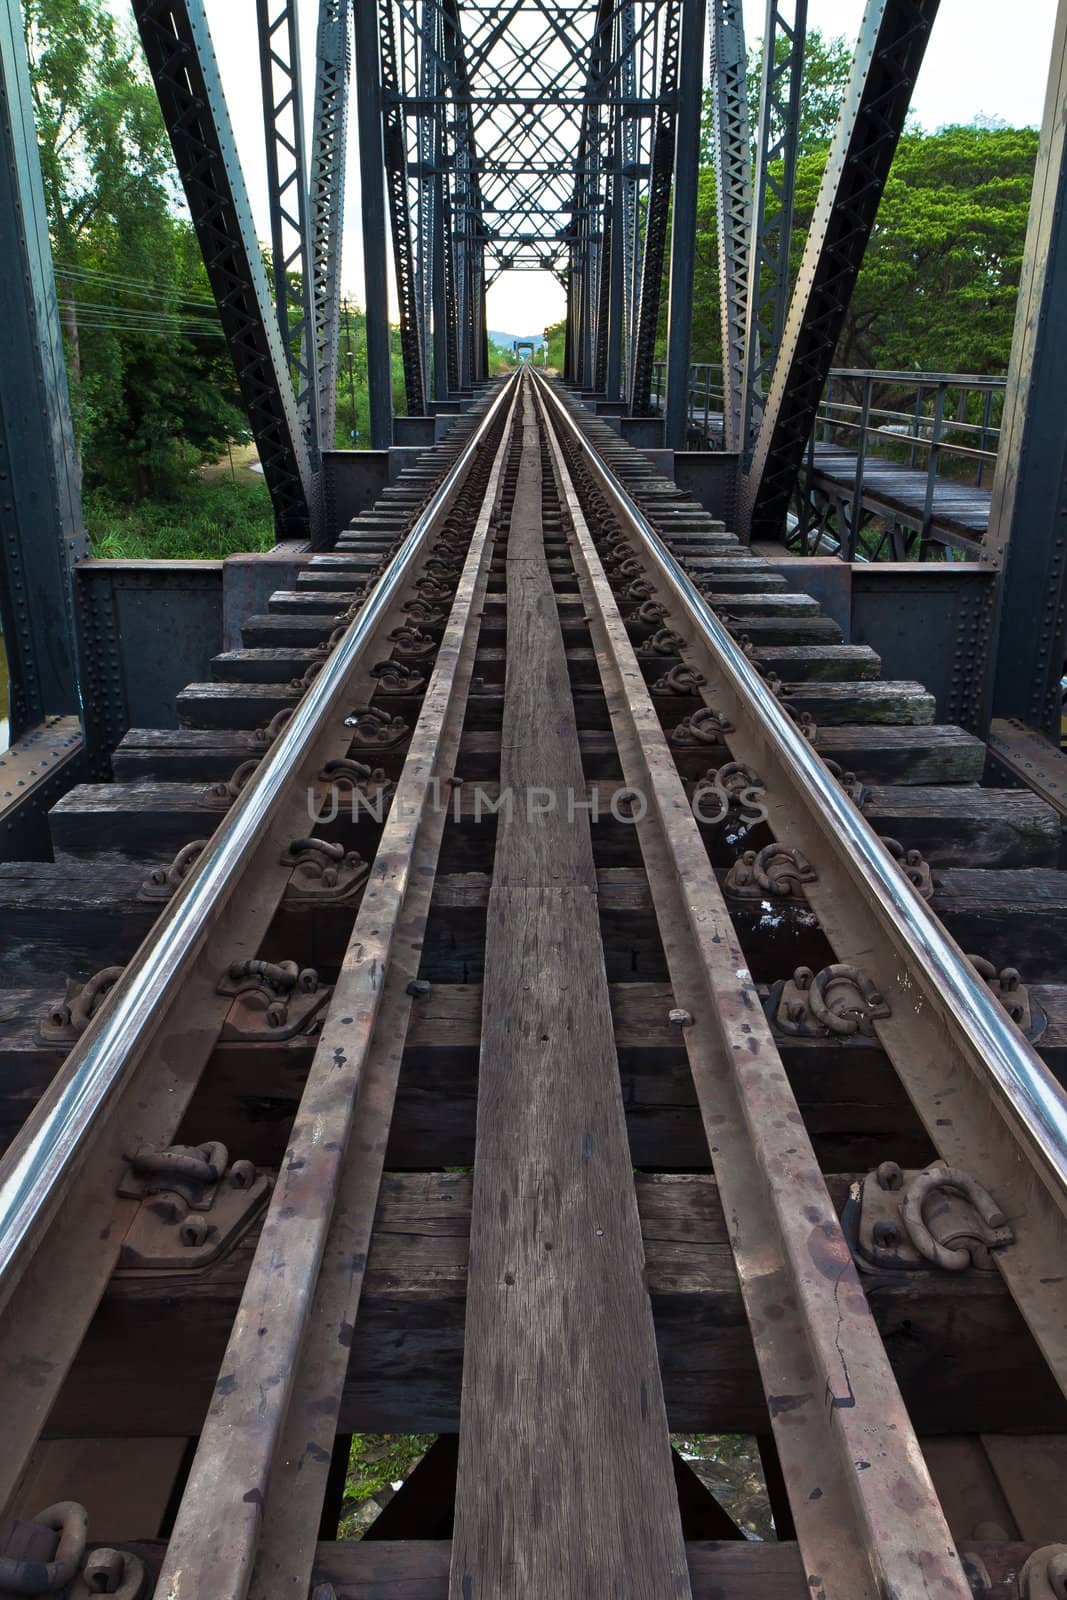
<point>886,754</point>
<point>233,705</point>
<point>879,701</point>
<point>968,826</point>
<point>565,1484</point>
<point>879,754</point>
<point>949,1336</point>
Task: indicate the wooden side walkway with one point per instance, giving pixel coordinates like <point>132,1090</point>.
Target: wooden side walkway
<point>889,486</point>
<point>957,507</point>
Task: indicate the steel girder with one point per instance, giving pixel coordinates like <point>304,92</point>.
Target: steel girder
<point>784,36</point>
<point>404,248</point>
<point>179,51</point>
<point>287,196</point>
<point>1028,513</point>
<point>329,130</point>
<point>733,199</point>
<point>372,199</point>
<point>684,230</point>
<point>41,532</point>
<point>657,213</point>
<point>892,42</point>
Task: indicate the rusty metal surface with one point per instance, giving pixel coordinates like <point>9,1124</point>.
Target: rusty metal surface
<point>851,1460</point>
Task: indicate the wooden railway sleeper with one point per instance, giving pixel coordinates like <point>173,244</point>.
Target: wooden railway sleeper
<point>908,1221</point>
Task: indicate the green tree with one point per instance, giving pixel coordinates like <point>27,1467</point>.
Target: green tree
<point>152,385</point>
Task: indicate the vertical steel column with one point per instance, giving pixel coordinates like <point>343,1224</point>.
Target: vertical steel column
<point>41,532</point>
<point>329,135</point>
<point>892,43</point>
<point>178,48</point>
<point>684,224</point>
<point>616,297</point>
<point>428,122</point>
<point>287,194</point>
<point>657,215</point>
<point>372,196</point>
<point>396,177</point>
<point>784,36</point>
<point>733,199</point>
<point>1027,534</point>
<point>629,160</point>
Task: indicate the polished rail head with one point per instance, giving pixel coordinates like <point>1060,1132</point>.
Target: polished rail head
<point>1031,1099</point>
<point>36,1169</point>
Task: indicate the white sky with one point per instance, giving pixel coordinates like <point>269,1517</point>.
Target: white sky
<point>978,61</point>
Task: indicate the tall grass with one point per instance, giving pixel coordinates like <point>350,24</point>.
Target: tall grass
<point>208,520</point>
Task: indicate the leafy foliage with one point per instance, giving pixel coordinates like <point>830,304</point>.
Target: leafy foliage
<point>152,384</point>
<point>376,1462</point>
<point>940,277</point>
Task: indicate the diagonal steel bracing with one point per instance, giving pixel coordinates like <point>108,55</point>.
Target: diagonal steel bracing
<point>178,48</point>
<point>892,42</point>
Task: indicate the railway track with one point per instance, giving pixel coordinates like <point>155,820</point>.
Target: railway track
<point>497,1012</point>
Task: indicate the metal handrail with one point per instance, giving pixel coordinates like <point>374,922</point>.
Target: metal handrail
<point>44,1155</point>
<point>1035,1100</point>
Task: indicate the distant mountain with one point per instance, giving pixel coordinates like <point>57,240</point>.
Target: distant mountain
<point>506,340</point>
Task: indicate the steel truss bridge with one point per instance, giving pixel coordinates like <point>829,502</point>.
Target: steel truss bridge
<point>560,138</point>
<point>534,960</point>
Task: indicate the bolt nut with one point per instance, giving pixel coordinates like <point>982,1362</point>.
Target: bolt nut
<point>418,988</point>
<point>886,1234</point>
<point>104,1571</point>
<point>242,1174</point>
<point>194,1231</point>
<point>890,1176</point>
<point>680,1019</point>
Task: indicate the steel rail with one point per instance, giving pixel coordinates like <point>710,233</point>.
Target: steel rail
<point>1032,1101</point>
<point>41,1162</point>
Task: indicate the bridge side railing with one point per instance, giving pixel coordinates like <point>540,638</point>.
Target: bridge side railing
<point>943,425</point>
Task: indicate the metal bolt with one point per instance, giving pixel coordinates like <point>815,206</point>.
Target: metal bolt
<point>104,1571</point>
<point>242,1174</point>
<point>680,1019</point>
<point>890,1176</point>
<point>193,1231</point>
<point>886,1234</point>
<point>418,988</point>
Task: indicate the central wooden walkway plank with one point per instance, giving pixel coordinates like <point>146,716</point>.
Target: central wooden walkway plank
<point>565,1484</point>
